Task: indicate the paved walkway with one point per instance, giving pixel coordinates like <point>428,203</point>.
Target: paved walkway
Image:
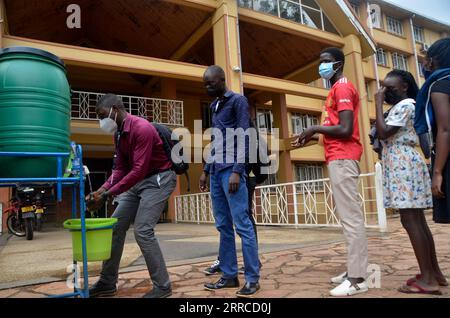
<point>46,258</point>
<point>294,273</point>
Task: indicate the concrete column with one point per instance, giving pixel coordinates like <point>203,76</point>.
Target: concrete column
<point>280,117</point>
<point>169,91</point>
<point>226,42</point>
<point>354,72</point>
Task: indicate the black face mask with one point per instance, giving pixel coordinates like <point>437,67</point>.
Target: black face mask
<point>212,92</point>
<point>392,97</point>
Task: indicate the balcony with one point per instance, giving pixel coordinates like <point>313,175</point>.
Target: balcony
<point>164,111</point>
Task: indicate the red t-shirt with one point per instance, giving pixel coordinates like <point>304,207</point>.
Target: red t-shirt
<point>343,96</point>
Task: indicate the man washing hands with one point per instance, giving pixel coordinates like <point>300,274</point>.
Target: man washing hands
<point>95,200</point>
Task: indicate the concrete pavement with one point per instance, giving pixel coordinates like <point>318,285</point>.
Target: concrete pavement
<point>47,256</point>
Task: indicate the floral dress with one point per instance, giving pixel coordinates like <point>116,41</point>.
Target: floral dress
<point>406,178</point>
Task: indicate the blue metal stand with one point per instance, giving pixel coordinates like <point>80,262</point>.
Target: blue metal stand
<point>76,182</point>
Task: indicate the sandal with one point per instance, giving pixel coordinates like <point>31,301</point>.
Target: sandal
<point>419,277</point>
<point>406,289</point>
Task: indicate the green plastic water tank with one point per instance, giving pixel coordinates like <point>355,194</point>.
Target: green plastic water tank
<point>34,111</point>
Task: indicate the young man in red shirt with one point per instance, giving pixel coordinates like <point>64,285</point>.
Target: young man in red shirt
<point>343,151</point>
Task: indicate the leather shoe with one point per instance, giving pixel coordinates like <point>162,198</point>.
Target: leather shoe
<point>223,283</point>
<point>158,293</point>
<point>248,290</point>
<point>101,289</point>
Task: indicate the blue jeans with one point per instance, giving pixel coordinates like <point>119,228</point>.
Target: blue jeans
<point>229,209</point>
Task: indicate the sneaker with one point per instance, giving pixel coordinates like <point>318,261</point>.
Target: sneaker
<point>213,269</point>
<point>249,290</point>
<point>347,289</point>
<point>339,279</point>
<point>100,289</point>
<point>223,283</point>
<point>158,293</point>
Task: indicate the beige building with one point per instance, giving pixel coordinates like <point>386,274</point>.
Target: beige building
<point>154,53</point>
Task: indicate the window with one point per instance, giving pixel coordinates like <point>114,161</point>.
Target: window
<point>382,57</point>
<point>369,92</point>
<point>394,26</point>
<point>399,61</point>
<point>419,34</point>
<point>271,180</point>
<point>355,7</point>
<point>246,4</point>
<point>307,172</point>
<point>375,14</point>
<point>302,121</point>
<point>264,120</point>
<point>306,12</point>
<point>421,69</point>
<point>266,6</point>
<point>206,115</point>
<point>326,84</point>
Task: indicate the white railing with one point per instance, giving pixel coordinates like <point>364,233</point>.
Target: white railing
<point>298,204</point>
<point>165,111</point>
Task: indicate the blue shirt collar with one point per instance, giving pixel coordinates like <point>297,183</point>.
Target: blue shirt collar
<point>226,96</point>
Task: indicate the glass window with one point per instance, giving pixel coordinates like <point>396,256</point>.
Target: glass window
<point>302,121</point>
<point>421,69</point>
<point>290,11</point>
<point>272,179</point>
<point>312,18</point>
<point>381,57</point>
<point>394,26</point>
<point>328,26</point>
<point>369,92</point>
<point>326,84</point>
<point>355,7</point>
<point>308,172</point>
<point>246,4</point>
<point>400,61</point>
<point>264,120</point>
<point>206,115</point>
<point>419,34</point>
<point>311,4</point>
<point>306,12</point>
<point>266,6</point>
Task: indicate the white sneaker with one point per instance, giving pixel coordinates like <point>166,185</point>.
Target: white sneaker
<point>347,289</point>
<point>339,279</point>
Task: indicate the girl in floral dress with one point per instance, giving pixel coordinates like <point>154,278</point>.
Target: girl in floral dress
<point>406,178</point>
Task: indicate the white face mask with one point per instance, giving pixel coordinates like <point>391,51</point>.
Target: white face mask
<point>109,125</point>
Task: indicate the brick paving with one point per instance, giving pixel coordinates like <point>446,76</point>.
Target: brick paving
<point>295,273</point>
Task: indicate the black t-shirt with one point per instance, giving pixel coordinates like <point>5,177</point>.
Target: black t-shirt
<point>442,86</point>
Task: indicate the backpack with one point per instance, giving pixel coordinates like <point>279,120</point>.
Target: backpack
<point>180,167</point>
<point>262,158</point>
